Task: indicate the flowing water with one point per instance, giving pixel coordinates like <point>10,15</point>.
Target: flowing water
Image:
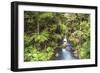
<point>65,53</point>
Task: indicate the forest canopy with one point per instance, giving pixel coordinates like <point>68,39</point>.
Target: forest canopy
<point>44,33</point>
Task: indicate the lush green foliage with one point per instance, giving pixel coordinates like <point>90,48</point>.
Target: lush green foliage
<point>44,32</point>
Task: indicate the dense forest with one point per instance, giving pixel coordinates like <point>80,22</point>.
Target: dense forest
<point>44,33</point>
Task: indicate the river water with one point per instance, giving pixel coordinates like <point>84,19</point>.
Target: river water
<point>64,53</point>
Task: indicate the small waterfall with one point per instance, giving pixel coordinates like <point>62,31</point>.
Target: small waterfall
<point>65,41</point>
<point>66,52</point>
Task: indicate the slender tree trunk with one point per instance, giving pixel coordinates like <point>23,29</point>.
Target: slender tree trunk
<point>38,27</point>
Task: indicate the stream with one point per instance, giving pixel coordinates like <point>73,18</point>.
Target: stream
<point>64,53</point>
